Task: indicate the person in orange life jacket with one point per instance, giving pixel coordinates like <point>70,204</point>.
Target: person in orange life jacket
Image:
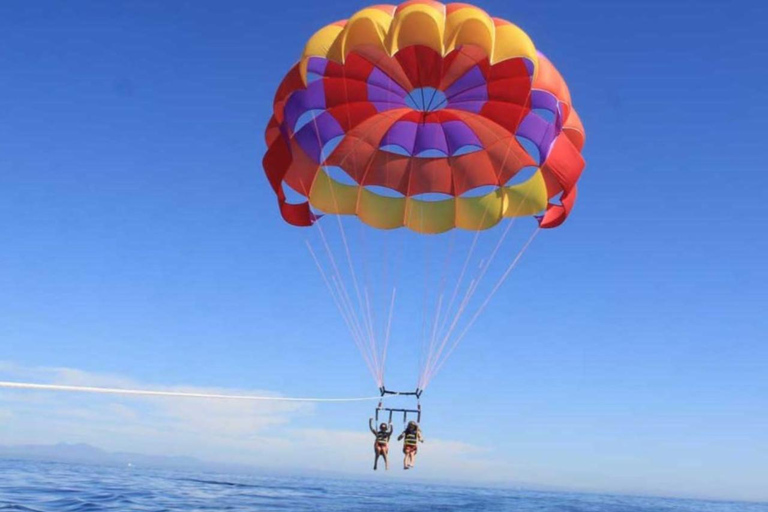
<point>411,436</point>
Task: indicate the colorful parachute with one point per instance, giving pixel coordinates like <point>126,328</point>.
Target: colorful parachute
<point>429,113</point>
<point>424,98</point>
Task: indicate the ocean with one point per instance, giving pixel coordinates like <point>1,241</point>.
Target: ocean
<point>58,487</point>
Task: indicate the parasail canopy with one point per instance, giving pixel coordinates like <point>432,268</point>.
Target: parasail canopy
<point>424,116</point>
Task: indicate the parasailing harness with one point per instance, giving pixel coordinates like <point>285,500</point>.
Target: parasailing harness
<point>390,411</point>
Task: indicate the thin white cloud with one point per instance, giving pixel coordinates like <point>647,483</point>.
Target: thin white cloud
<point>267,434</point>
<point>275,435</point>
<point>120,422</point>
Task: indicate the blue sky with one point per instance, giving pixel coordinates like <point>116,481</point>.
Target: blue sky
<point>627,352</point>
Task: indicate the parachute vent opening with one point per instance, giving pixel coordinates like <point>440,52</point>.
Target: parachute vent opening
<point>339,175</point>
<point>480,191</point>
<point>523,175</point>
<point>432,153</point>
<point>395,149</point>
<point>311,77</point>
<point>432,197</point>
<point>545,114</point>
<point>292,196</point>
<point>426,99</point>
<point>465,150</point>
<point>384,191</point>
<point>306,118</point>
<point>530,147</point>
<point>329,147</point>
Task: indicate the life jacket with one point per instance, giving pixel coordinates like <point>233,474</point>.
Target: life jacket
<point>382,437</point>
<point>412,438</point>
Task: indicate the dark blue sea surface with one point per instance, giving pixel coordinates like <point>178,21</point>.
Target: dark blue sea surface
<point>57,487</point>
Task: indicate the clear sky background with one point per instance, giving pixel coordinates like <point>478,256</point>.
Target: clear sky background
<point>141,245</point>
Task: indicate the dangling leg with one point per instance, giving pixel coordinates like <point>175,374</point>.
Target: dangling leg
<point>385,453</point>
<point>410,456</point>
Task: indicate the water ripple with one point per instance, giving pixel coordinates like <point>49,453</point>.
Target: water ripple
<point>56,487</point>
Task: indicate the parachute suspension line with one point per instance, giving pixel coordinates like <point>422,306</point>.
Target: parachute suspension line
<point>476,282</point>
<point>340,281</point>
<point>344,315</point>
<point>344,297</point>
<point>365,327</point>
<point>364,311</point>
<point>366,320</point>
<point>370,345</point>
<point>341,297</point>
<point>487,300</point>
<point>370,311</point>
<point>469,293</point>
<point>427,363</point>
<point>426,246</point>
<point>365,346</point>
<point>430,346</point>
<point>364,305</point>
<point>482,269</point>
<point>367,342</point>
<point>396,271</point>
<point>430,317</point>
<point>436,362</point>
<point>438,308</point>
<point>454,295</point>
<point>340,291</point>
<point>431,369</point>
<point>425,301</point>
<point>385,269</point>
<point>175,394</point>
<point>386,336</point>
<point>433,338</point>
<point>374,346</point>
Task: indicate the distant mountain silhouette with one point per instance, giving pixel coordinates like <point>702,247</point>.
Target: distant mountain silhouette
<point>79,452</point>
<point>82,453</point>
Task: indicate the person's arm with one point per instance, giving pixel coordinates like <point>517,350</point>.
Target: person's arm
<point>391,428</point>
<point>400,437</point>
<point>421,437</point>
<point>370,426</point>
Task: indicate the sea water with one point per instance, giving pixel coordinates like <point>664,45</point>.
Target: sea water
<point>58,487</point>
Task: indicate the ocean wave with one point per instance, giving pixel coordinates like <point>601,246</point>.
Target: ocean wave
<point>38,487</point>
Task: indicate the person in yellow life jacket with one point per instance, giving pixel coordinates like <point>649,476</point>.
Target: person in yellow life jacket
<point>411,437</point>
<point>381,445</point>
